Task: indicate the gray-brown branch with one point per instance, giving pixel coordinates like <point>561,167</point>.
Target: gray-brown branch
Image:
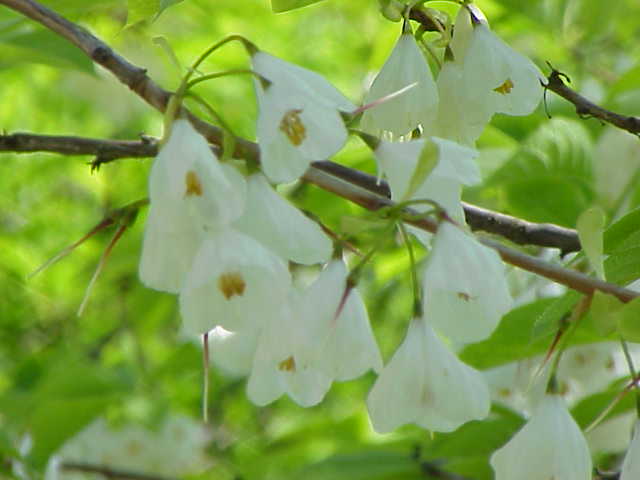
<point>138,81</point>
<point>479,219</point>
<point>586,108</point>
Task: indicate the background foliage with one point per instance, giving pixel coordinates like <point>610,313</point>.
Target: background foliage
<point>125,358</point>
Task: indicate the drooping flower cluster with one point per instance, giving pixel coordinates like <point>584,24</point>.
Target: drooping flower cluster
<point>223,241</point>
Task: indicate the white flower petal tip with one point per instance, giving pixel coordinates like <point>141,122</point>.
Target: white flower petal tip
<point>466,292</point>
<point>631,464</point>
<point>234,281</point>
<point>426,384</point>
<point>281,227</point>
<point>417,106</point>
<point>550,445</point>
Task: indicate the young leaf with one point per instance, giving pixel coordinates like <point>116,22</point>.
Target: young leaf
<point>279,6</point>
<point>590,225</point>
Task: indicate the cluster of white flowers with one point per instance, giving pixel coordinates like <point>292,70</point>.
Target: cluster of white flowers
<point>175,448</point>
<point>222,242</point>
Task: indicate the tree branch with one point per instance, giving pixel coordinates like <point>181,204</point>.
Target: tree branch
<point>479,219</point>
<point>108,472</point>
<point>586,108</point>
<point>141,84</point>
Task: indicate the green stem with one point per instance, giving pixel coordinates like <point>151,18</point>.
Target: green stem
<point>210,50</point>
<point>632,370</point>
<point>415,285</point>
<point>229,140</point>
<point>211,76</point>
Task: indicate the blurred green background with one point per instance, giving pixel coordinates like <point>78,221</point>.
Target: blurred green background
<point>125,359</point>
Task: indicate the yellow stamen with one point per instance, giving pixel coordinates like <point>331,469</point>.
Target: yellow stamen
<point>194,186</point>
<point>288,365</point>
<point>292,127</point>
<point>231,284</point>
<point>505,87</point>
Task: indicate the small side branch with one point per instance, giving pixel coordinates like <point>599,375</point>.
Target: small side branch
<point>109,472</point>
<point>586,108</point>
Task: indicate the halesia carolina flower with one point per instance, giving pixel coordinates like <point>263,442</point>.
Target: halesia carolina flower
<point>400,115</point>
<point>550,445</point>
<point>187,179</point>
<point>316,342</point>
<point>280,364</point>
<point>234,279</point>
<point>631,464</point>
<point>299,118</point>
<point>401,163</point>
<point>496,77</point>
<point>281,227</point>
<point>465,290</point>
<point>426,384</point>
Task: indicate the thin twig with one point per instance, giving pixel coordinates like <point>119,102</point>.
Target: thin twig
<point>109,472</point>
<point>480,219</point>
<point>138,81</point>
<point>586,108</point>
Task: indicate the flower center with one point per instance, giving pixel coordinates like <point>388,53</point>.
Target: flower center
<point>505,87</point>
<point>288,365</point>
<point>464,296</point>
<point>231,284</point>
<point>194,186</point>
<point>293,127</point>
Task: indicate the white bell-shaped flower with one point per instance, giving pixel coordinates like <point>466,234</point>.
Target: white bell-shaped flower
<point>550,445</point>
<point>631,464</point>
<point>307,348</point>
<point>187,179</point>
<point>418,106</point>
<point>299,118</point>
<point>281,362</point>
<point>399,161</point>
<point>465,289</point>
<point>280,226</point>
<point>233,282</point>
<point>496,77</point>
<point>168,249</point>
<point>426,384</point>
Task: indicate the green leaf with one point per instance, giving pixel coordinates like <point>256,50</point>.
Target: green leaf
<point>590,225</point>
<point>139,10</point>
<point>527,331</point>
<point>629,320</point>
<point>604,312</point>
<point>588,409</point>
<point>623,234</point>
<point>548,323</point>
<point>374,465</point>
<point>45,47</point>
<point>279,6</point>
<point>427,161</point>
